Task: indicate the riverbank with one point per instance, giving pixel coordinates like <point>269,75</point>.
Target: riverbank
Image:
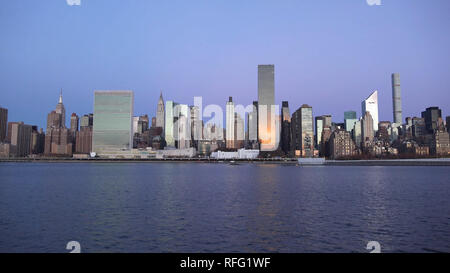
<point>290,161</point>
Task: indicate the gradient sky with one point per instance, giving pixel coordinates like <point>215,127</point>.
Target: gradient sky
<point>329,54</point>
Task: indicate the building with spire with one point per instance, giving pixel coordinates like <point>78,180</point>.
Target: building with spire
<point>61,110</point>
<point>230,124</point>
<point>58,139</point>
<point>160,113</point>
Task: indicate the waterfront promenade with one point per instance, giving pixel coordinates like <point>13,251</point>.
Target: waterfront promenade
<point>288,161</point>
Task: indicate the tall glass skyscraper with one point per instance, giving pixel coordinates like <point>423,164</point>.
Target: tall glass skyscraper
<point>267,131</point>
<point>169,120</point>
<point>349,120</point>
<point>371,105</point>
<point>113,115</point>
<point>3,123</point>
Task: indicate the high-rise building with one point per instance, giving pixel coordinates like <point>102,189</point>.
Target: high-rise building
<point>319,129</point>
<point>113,114</point>
<point>367,132</point>
<point>349,115</point>
<point>20,139</point>
<point>285,127</point>
<point>239,131</point>
<point>431,116</point>
<point>440,144</point>
<point>87,120</point>
<point>267,131</point>
<point>169,123</point>
<point>371,105</point>
<point>74,122</point>
<point>384,131</point>
<point>59,139</point>
<point>321,123</point>
<point>143,123</point>
<point>181,129</point>
<point>230,124</point>
<point>418,127</point>
<point>341,145</point>
<point>61,110</point>
<point>196,125</point>
<point>357,133</point>
<point>447,123</point>
<point>303,132</point>
<point>54,120</point>
<point>37,140</point>
<point>160,113</point>
<point>252,127</point>
<point>135,125</point>
<point>83,143</point>
<point>349,120</point>
<point>3,123</point>
<point>396,98</point>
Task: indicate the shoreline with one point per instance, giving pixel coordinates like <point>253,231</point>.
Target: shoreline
<point>291,161</point>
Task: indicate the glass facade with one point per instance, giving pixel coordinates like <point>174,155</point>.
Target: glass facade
<point>307,131</point>
<point>113,115</point>
<point>168,128</point>
<point>267,129</point>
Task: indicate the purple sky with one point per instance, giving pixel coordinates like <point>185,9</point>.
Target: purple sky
<point>329,54</point>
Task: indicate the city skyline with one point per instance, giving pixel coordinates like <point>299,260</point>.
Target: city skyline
<point>336,62</point>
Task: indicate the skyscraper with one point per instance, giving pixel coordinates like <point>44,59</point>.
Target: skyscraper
<point>58,139</point>
<point>350,120</point>
<point>319,129</point>
<point>239,131</point>
<point>447,123</point>
<point>196,125</point>
<point>169,122</point>
<point>285,127</point>
<point>371,105</point>
<point>83,143</point>
<point>3,123</point>
<point>252,127</point>
<point>20,139</point>
<point>397,98</point>
<point>266,103</point>
<point>160,113</point>
<point>431,116</point>
<point>322,122</point>
<point>303,131</point>
<point>113,114</point>
<point>367,132</point>
<point>87,120</point>
<point>61,110</point>
<point>230,124</point>
<point>74,122</point>
<point>357,133</point>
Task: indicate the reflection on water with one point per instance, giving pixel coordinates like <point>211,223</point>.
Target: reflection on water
<point>182,207</point>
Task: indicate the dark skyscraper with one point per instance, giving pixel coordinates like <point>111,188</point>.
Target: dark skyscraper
<point>285,127</point>
<point>20,139</point>
<point>431,116</point>
<point>302,128</point>
<point>396,98</point>
<point>3,123</point>
<point>447,123</point>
